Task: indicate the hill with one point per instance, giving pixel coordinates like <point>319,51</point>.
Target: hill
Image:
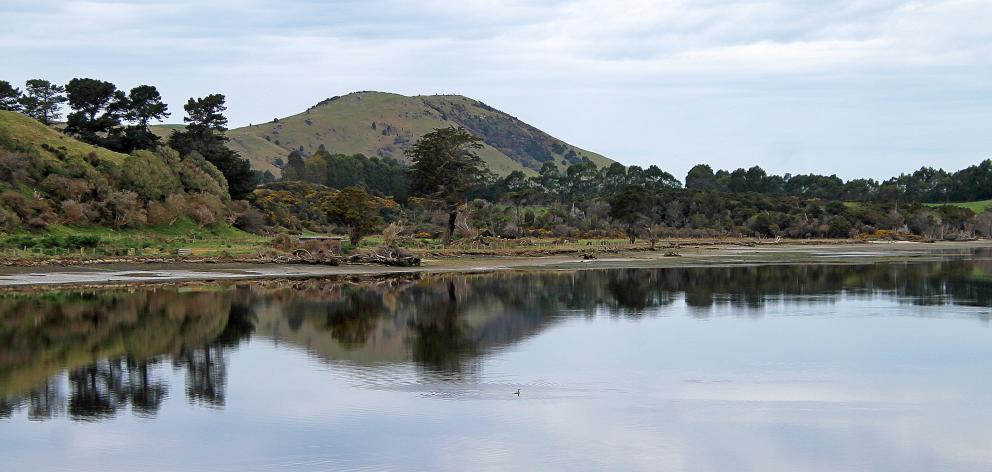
<point>386,124</point>
<point>49,179</point>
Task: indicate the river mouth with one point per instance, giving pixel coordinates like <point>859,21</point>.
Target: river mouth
<point>823,366</point>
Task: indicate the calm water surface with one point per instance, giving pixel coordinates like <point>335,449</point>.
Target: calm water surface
<point>801,367</point>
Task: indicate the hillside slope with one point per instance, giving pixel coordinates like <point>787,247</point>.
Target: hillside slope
<point>48,178</point>
<point>385,125</point>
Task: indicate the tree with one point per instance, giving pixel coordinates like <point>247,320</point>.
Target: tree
<point>632,207</point>
<point>144,105</point>
<point>10,97</point>
<point>659,179</point>
<point>518,191</point>
<point>206,115</point>
<point>204,134</point>
<point>445,168</point>
<point>355,208</point>
<point>295,168</point>
<point>97,110</point>
<point>700,177</point>
<point>42,100</point>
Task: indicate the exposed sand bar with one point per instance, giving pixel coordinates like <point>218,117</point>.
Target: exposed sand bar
<point>688,257</point>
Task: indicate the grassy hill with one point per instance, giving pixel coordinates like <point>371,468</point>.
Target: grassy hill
<point>18,131</point>
<point>386,124</point>
<point>59,195</point>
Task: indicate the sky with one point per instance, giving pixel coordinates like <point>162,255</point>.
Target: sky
<point>848,87</point>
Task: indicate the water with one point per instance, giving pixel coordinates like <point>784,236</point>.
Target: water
<point>795,367</point>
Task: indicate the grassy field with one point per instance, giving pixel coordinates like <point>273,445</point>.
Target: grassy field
<point>59,240</point>
<point>976,207</point>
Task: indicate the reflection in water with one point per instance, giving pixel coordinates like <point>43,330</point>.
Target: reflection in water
<point>97,351</point>
<point>90,354</point>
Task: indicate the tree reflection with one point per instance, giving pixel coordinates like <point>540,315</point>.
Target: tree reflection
<point>134,330</point>
<point>147,392</point>
<point>90,355</point>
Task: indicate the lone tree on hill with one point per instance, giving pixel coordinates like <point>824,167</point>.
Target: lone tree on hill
<point>445,168</point>
<point>42,100</point>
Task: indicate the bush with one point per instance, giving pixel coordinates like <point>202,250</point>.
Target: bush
<point>75,213</point>
<point>124,210</point>
<point>205,209</point>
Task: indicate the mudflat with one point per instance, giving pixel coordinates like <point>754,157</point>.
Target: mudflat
<point>687,256</point>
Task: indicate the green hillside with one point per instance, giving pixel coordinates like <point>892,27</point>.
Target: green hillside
<point>385,125</point>
<point>19,132</point>
<point>58,193</point>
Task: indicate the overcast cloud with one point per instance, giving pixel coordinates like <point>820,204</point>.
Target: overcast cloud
<point>866,87</point>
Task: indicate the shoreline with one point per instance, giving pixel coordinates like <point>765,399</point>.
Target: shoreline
<point>54,277</point>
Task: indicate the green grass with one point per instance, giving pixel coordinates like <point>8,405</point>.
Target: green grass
<point>344,126</point>
<point>218,240</point>
<point>976,207</point>
<point>17,130</point>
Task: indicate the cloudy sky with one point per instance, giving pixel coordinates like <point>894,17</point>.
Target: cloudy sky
<point>859,87</point>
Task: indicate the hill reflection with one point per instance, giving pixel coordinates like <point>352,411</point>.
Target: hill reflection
<point>91,354</point>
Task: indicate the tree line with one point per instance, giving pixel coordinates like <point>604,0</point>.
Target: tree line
<point>448,190</point>
<point>924,185</point>
<point>102,115</point>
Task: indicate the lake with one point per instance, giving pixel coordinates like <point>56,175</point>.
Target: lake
<point>826,367</point>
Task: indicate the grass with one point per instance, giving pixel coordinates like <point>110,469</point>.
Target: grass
<point>220,240</point>
<point>18,131</point>
<point>344,126</point>
<point>976,207</point>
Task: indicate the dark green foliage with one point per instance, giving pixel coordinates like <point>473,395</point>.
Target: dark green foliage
<point>97,110</point>
<point>700,177</point>
<point>295,168</point>
<point>445,168</point>
<point>10,97</point>
<point>72,241</point>
<point>925,185</point>
<point>204,135</point>
<point>144,105</point>
<point>380,176</point>
<point>633,207</point>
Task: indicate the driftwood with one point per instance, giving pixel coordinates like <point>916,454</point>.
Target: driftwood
<point>386,255</point>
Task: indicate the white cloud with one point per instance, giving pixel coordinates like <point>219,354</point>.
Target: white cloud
<point>869,86</point>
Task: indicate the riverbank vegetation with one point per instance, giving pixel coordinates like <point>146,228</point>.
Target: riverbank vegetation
<point>103,180</point>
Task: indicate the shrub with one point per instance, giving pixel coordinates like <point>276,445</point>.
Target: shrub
<point>205,209</point>
<point>75,213</point>
<point>124,210</point>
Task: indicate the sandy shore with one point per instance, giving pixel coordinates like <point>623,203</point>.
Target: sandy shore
<point>688,257</point>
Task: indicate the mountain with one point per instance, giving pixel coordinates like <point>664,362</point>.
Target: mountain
<point>386,124</point>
